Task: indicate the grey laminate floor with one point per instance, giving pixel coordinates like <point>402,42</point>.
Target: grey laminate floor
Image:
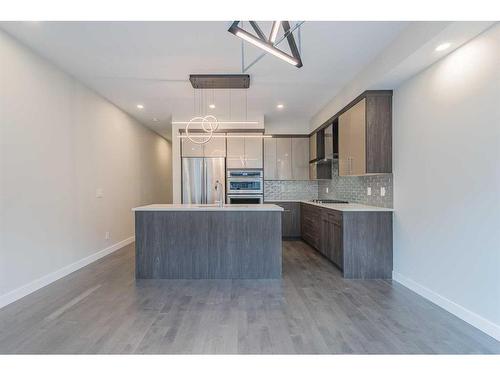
<point>102,309</point>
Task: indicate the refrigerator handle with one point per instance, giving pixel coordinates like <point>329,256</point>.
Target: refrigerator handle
<point>204,184</point>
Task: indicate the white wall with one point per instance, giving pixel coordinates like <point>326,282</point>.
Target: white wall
<point>411,52</point>
<point>59,142</point>
<point>447,182</point>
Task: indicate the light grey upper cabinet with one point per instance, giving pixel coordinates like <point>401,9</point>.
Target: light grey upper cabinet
<point>352,139</point>
<point>300,158</point>
<point>313,171</point>
<point>270,170</point>
<point>365,136</point>
<point>284,158</point>
<point>235,152</point>
<point>328,139</point>
<point>253,153</point>
<point>313,146</point>
<point>191,149</point>
<point>244,152</point>
<point>216,147</point>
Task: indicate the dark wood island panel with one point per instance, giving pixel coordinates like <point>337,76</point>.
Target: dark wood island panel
<point>208,244</point>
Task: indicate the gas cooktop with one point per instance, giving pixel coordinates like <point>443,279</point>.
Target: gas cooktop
<point>328,201</point>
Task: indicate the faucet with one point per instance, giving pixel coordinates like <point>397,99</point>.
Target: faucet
<point>219,188</point>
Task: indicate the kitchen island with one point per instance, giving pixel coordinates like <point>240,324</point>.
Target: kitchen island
<point>184,241</point>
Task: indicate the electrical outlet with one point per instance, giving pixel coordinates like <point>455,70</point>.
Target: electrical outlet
<point>107,236</point>
<point>327,189</point>
<point>368,191</point>
<point>382,191</point>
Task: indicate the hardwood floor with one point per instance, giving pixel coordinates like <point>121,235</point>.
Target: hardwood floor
<point>102,309</point>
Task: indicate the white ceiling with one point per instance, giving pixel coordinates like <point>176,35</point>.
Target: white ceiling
<point>150,62</point>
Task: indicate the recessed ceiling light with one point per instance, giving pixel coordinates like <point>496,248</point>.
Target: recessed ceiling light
<point>280,106</point>
<point>155,119</point>
<point>140,106</point>
<point>211,106</point>
<point>443,46</point>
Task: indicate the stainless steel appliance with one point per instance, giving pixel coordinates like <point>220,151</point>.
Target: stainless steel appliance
<point>245,186</point>
<point>328,201</point>
<point>244,182</point>
<point>199,179</point>
<point>245,199</point>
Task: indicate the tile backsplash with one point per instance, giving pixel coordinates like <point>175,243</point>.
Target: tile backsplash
<point>300,190</point>
<point>354,188</point>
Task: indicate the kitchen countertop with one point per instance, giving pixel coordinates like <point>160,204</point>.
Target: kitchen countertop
<point>340,206</point>
<point>209,207</point>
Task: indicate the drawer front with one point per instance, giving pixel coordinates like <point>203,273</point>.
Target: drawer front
<point>311,225</point>
<point>334,216</point>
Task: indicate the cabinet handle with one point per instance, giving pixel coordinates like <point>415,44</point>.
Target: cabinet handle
<point>287,210</point>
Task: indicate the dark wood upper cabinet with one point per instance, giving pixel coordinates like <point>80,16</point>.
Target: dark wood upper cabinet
<point>361,136</point>
<point>379,134</point>
<point>365,137</point>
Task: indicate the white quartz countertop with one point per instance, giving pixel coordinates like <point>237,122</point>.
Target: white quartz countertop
<point>340,206</point>
<point>209,207</point>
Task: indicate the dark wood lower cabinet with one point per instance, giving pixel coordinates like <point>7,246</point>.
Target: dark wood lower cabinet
<point>331,237</point>
<point>358,242</point>
<point>290,219</point>
<point>310,225</point>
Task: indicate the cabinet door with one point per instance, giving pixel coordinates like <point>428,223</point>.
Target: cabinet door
<point>313,149</point>
<point>325,236</point>
<point>270,159</point>
<point>357,142</point>
<point>300,158</point>
<point>253,152</point>
<point>290,219</point>
<point>344,143</point>
<point>308,225</point>
<point>328,140</point>
<point>284,158</point>
<point>352,140</point>
<point>191,149</point>
<point>313,171</point>
<point>235,151</point>
<point>216,147</point>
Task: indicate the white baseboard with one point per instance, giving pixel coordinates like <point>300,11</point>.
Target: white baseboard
<point>470,317</point>
<point>56,275</point>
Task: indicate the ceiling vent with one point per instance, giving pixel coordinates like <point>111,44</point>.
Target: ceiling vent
<point>220,81</point>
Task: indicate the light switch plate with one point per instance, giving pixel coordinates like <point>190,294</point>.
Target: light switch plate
<point>368,191</point>
<point>382,191</point>
<point>99,193</point>
<point>107,236</point>
<point>327,190</point>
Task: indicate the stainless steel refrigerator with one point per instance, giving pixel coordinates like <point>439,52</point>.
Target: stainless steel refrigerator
<point>199,176</point>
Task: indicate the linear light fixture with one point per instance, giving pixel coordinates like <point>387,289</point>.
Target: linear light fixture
<point>264,44</point>
<point>201,135</point>
<point>220,122</point>
<point>274,31</point>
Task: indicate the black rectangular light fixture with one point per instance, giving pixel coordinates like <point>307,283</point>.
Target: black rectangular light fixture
<point>220,81</point>
<point>267,43</point>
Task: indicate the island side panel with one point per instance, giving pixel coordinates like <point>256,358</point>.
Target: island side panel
<point>245,244</point>
<point>208,245</point>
